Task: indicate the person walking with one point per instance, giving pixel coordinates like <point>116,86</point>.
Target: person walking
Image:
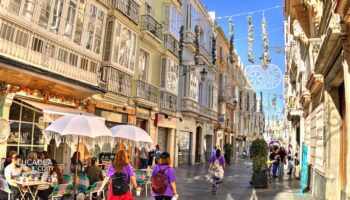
<point>93,172</point>
<point>282,154</point>
<point>275,161</point>
<point>144,157</point>
<point>216,169</point>
<point>213,152</point>
<point>164,169</point>
<point>157,154</point>
<point>121,173</point>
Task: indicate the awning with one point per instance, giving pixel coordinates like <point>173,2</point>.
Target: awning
<point>53,112</point>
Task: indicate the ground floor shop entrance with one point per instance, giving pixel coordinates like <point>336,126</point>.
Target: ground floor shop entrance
<point>163,139</point>
<point>184,147</point>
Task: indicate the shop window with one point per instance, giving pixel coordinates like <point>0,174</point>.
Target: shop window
<point>26,134</point>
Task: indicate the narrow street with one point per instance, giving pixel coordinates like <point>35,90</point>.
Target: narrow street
<point>193,185</point>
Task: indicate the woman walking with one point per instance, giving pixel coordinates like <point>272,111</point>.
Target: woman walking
<point>216,169</point>
<point>164,169</point>
<point>121,173</point>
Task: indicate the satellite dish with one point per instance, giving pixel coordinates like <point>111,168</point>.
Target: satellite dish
<point>4,130</point>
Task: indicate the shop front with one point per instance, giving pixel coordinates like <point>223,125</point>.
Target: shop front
<point>166,133</point>
<point>186,138</point>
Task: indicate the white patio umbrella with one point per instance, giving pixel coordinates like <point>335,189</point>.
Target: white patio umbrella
<point>132,133</point>
<point>75,129</point>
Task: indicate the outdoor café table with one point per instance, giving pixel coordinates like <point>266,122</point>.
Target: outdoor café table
<point>30,185</point>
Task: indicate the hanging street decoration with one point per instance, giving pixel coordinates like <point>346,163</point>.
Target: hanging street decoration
<point>250,39</point>
<point>232,42</point>
<point>265,58</point>
<point>262,102</point>
<point>181,45</point>
<point>213,41</point>
<point>196,43</point>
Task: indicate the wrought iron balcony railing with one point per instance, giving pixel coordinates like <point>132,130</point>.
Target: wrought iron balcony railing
<point>119,82</point>
<point>171,44</point>
<point>167,101</point>
<point>147,91</point>
<point>129,8</point>
<point>152,25</point>
<point>204,111</point>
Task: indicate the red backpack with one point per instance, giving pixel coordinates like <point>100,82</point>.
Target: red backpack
<point>159,183</point>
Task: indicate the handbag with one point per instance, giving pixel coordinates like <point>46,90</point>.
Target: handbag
<point>217,170</point>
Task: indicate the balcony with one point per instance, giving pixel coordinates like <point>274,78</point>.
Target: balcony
<point>148,23</point>
<point>167,101</point>
<point>129,8</point>
<point>188,105</point>
<point>203,51</point>
<point>119,82</point>
<point>208,113</point>
<point>171,44</point>
<point>147,92</point>
<point>50,56</point>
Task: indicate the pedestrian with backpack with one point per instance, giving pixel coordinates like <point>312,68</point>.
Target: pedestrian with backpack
<point>121,173</point>
<point>163,179</point>
<point>216,169</point>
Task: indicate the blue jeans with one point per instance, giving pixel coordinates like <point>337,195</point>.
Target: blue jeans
<point>144,163</point>
<point>274,169</point>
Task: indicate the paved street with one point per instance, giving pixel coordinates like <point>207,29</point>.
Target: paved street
<point>192,185</point>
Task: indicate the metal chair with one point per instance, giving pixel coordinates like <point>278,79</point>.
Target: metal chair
<point>143,178</point>
<point>4,186</point>
<point>94,189</point>
<point>60,190</point>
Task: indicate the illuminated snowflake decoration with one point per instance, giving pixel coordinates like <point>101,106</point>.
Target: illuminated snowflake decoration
<point>264,79</point>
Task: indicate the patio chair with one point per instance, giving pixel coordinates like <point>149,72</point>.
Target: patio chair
<point>67,179</point>
<point>143,178</point>
<point>60,190</point>
<point>4,186</point>
<point>83,183</point>
<point>94,189</point>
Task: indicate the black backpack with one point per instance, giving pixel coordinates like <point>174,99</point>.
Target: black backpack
<point>120,183</point>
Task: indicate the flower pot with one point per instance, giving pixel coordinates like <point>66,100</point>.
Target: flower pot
<point>259,180</point>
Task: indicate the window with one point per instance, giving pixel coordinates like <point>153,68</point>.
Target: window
<point>172,20</point>
<point>45,13</point>
<point>25,134</point>
<point>143,65</point>
<point>91,26</point>
<point>84,63</point>
<point>7,32</point>
<point>93,67</point>
<point>200,94</point>
<point>98,31</point>
<point>37,45</point>
<point>107,50</point>
<point>79,27</point>
<point>56,16</point>
<point>124,47</point>
<point>28,9</point>
<point>63,55</point>
<point>163,73</point>
<point>73,59</point>
<point>70,19</point>
<point>21,38</point>
<point>15,6</point>
<point>104,75</point>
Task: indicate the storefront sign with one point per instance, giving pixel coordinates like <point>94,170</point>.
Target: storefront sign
<point>4,130</point>
<point>169,122</point>
<point>113,117</point>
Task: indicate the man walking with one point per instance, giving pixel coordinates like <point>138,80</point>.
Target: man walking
<point>144,157</point>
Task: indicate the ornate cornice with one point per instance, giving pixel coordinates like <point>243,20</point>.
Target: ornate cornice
<point>315,83</point>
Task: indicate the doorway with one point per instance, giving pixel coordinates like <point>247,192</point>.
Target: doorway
<point>184,147</point>
<point>198,144</point>
<point>163,139</point>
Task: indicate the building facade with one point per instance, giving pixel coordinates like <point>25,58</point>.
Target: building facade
<point>317,91</point>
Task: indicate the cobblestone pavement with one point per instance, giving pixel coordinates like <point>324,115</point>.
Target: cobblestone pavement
<point>193,185</point>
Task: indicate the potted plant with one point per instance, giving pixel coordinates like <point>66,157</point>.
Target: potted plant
<point>258,154</point>
<point>228,153</point>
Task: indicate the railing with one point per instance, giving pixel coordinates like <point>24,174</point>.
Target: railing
<point>43,53</point>
<point>147,92</point>
<point>189,105</point>
<point>129,8</point>
<point>119,82</point>
<point>152,25</point>
<point>171,44</point>
<point>204,111</point>
<point>167,101</point>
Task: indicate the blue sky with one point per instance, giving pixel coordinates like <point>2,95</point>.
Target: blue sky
<point>275,32</point>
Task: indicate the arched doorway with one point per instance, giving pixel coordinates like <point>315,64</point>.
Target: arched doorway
<point>198,144</point>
